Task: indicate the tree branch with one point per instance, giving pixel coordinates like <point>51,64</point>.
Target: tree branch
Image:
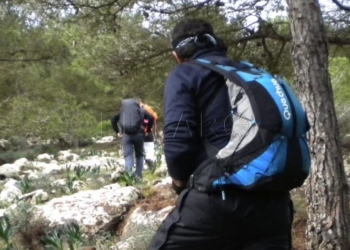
<point>341,6</point>
<point>287,38</point>
<point>166,11</point>
<point>25,59</point>
<point>266,48</point>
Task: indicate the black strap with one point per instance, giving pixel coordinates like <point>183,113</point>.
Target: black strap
<point>225,70</point>
<point>210,149</point>
<point>205,105</point>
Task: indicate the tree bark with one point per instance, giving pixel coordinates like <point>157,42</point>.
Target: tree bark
<point>327,190</point>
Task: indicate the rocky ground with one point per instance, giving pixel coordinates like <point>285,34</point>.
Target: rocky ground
<point>83,198</point>
<point>87,188</point>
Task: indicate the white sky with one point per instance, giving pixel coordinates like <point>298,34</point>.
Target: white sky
<point>327,4</point>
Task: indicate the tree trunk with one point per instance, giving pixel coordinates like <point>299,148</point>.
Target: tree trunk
<point>327,190</point>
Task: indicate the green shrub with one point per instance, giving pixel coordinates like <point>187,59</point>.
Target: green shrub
<point>129,179</point>
<point>69,236</point>
<point>26,228</point>
<point>25,186</point>
<point>104,128</point>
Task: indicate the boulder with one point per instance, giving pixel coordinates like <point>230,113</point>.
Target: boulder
<point>140,228</point>
<point>11,191</point>
<point>10,171</point>
<point>345,141</point>
<point>4,145</point>
<point>163,182</point>
<point>66,155</point>
<point>44,158</point>
<point>93,210</point>
<point>106,139</point>
<point>162,171</point>
<point>22,163</point>
<point>35,196</point>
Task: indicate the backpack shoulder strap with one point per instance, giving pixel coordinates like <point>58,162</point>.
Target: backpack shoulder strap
<point>210,149</point>
<point>229,71</point>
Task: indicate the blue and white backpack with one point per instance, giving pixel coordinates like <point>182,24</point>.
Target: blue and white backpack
<point>268,150</point>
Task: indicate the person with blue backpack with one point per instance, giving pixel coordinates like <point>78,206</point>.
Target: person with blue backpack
<point>235,145</point>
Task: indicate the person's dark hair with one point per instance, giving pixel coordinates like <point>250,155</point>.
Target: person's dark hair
<point>192,35</point>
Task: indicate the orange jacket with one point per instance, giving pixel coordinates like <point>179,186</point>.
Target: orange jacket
<point>150,111</point>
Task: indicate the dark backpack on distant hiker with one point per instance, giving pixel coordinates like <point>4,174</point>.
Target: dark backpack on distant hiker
<point>268,150</point>
<point>131,116</point>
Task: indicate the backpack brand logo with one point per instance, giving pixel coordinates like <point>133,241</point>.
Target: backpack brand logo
<point>286,112</point>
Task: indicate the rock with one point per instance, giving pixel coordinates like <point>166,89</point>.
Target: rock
<point>22,163</point>
<point>106,139</point>
<point>35,196</point>
<point>163,182</point>
<point>34,176</point>
<point>2,212</point>
<point>66,155</point>
<point>4,145</point>
<point>59,183</point>
<point>99,180</point>
<point>48,168</point>
<point>93,162</point>
<point>345,141</point>
<point>115,176</point>
<point>10,170</point>
<point>114,186</point>
<point>78,185</point>
<point>44,158</point>
<point>140,228</point>
<point>12,182</point>
<point>93,210</point>
<point>10,193</point>
<point>87,248</point>
<point>27,172</point>
<point>162,171</point>
<point>37,165</point>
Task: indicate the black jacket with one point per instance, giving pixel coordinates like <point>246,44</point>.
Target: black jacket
<point>188,90</point>
<point>117,128</point>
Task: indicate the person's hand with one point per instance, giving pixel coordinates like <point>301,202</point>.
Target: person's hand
<point>178,185</point>
<point>120,135</point>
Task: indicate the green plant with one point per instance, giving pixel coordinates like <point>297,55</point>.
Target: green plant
<point>111,164</point>
<point>4,204</point>
<point>148,191</point>
<point>5,231</point>
<point>74,236</point>
<point>128,178</point>
<point>95,171</point>
<point>102,240</point>
<point>80,171</point>
<point>39,200</point>
<point>159,153</point>
<point>70,183</point>
<point>69,235</point>
<point>94,152</point>
<point>25,186</point>
<point>53,241</point>
<point>153,166</point>
<point>26,227</point>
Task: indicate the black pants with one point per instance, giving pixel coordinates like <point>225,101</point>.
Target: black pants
<point>133,143</point>
<point>243,221</point>
<point>149,137</point>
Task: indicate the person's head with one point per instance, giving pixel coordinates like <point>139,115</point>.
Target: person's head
<point>192,35</point>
